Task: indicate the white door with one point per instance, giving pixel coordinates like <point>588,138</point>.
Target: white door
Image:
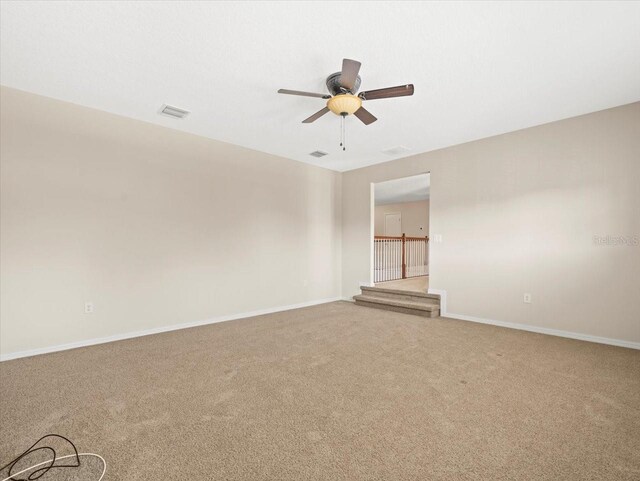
<point>393,225</point>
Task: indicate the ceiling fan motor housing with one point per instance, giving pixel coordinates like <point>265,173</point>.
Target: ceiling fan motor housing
<point>334,86</point>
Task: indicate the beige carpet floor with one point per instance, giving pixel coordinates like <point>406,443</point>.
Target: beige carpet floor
<point>335,392</point>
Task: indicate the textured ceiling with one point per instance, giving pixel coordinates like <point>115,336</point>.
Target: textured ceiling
<point>479,69</point>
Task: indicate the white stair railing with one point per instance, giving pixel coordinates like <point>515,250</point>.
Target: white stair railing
<point>400,257</point>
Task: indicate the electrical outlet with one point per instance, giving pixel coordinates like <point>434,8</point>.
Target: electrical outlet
<point>527,298</point>
<point>88,307</point>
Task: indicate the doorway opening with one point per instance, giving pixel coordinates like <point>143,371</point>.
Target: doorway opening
<point>401,233</point>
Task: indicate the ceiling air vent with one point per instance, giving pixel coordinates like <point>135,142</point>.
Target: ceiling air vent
<point>400,149</point>
<point>318,153</point>
<point>173,112</point>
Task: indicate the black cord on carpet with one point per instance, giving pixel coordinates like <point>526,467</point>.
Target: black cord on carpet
<point>44,470</point>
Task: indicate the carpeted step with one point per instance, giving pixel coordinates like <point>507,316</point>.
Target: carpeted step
<point>424,308</point>
<point>413,296</point>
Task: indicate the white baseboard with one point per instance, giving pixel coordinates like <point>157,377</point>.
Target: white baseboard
<point>526,327</point>
<point>443,311</point>
<point>158,330</point>
<point>546,330</point>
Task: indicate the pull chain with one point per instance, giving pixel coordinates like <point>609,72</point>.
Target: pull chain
<point>344,134</point>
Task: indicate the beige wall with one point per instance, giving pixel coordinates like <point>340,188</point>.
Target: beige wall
<point>158,227</point>
<point>518,213</point>
<point>415,217</point>
<point>154,226</point>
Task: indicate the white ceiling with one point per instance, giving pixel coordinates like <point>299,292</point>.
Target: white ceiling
<point>406,189</point>
<point>479,69</point>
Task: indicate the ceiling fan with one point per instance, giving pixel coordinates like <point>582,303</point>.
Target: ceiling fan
<point>343,100</point>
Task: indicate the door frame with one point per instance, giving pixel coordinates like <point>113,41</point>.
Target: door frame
<point>372,226</point>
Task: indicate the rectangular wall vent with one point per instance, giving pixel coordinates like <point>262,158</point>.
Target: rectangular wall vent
<point>400,149</point>
<point>173,112</point>
<point>318,153</point>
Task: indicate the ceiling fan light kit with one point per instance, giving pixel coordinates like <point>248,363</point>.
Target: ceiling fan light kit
<point>343,100</point>
<point>344,104</point>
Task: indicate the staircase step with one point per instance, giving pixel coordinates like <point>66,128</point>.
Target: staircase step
<point>425,309</point>
<point>398,294</point>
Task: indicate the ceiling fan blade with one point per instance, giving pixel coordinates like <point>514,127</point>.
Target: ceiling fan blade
<point>316,116</point>
<point>349,74</point>
<point>399,91</point>
<point>304,94</point>
<point>365,116</point>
